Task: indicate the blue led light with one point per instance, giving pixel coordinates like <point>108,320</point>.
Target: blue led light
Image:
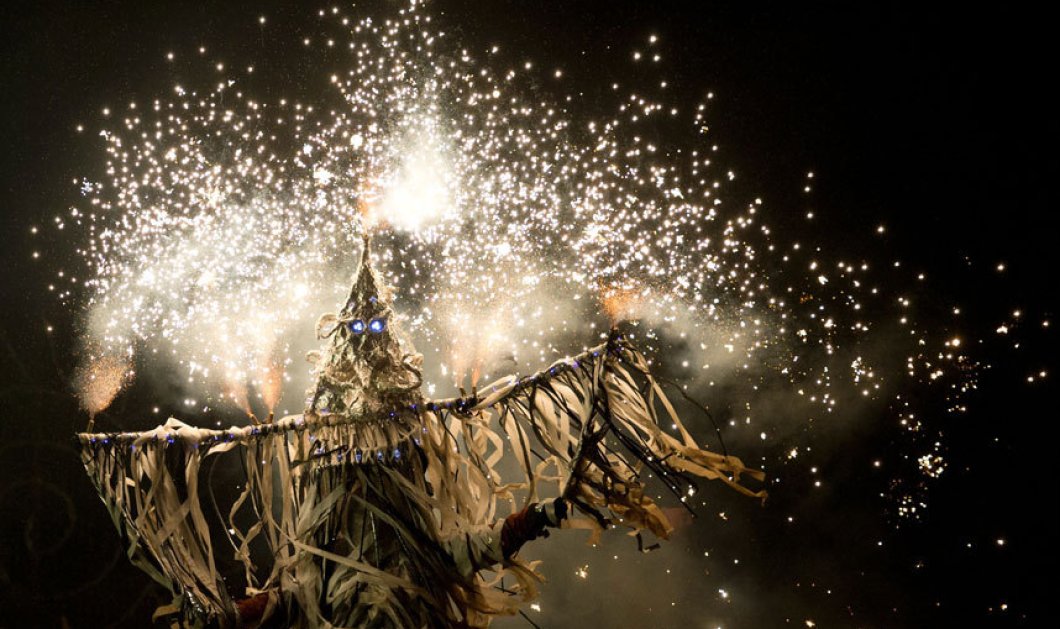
<point>357,326</point>
<point>377,325</point>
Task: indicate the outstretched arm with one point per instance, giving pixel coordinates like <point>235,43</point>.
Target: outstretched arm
<point>531,523</point>
<point>493,545</point>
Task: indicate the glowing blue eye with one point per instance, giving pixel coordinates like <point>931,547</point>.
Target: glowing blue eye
<point>357,326</point>
<point>377,325</point>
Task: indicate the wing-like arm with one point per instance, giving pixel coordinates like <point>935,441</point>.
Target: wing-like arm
<point>594,421</point>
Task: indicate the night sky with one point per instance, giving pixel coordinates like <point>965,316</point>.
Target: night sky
<point>935,122</point>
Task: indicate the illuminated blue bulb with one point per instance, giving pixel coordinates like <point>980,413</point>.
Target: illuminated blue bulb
<point>377,325</point>
<point>357,326</point>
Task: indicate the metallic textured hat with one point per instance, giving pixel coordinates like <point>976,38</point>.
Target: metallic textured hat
<point>367,366</point>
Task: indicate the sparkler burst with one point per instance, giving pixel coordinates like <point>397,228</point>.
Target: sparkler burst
<point>513,225</point>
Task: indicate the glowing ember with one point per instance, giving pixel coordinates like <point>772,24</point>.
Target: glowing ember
<point>100,380</point>
<point>621,304</point>
<point>272,384</point>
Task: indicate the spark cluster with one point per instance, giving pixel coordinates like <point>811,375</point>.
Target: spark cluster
<point>516,223</point>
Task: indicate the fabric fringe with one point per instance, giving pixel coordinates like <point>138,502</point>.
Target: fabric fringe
<point>388,521</point>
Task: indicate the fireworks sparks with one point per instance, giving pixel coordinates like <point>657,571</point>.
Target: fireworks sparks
<point>514,223</point>
<point>217,225</point>
<point>100,379</point>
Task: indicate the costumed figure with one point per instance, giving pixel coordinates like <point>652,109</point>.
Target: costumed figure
<point>378,507</point>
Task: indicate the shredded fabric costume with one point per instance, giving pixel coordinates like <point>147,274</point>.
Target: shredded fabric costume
<point>377,507</point>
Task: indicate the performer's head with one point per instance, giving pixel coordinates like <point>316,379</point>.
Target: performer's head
<point>366,365</point>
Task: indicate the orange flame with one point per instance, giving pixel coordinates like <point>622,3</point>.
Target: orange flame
<point>476,373</point>
<point>366,207</point>
<point>272,384</point>
<point>458,362</point>
<point>475,341</point>
<point>99,381</point>
<point>620,303</point>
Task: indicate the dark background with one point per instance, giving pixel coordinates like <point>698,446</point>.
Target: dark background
<point>936,121</point>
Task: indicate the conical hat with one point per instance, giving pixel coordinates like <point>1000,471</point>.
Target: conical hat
<point>367,367</point>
